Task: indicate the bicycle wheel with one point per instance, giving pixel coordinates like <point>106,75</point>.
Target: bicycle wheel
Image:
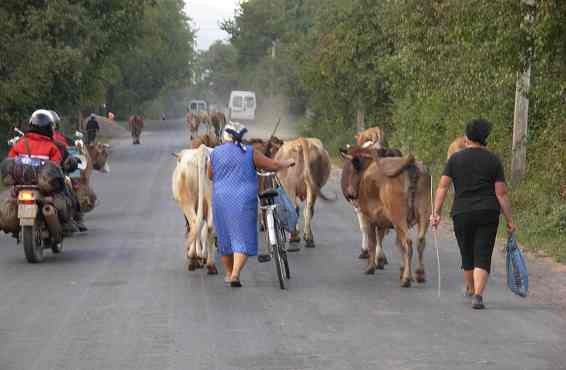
<point>278,266</point>
<point>281,240</point>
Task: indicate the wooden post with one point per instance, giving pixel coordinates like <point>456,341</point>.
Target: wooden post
<point>520,126</point>
<point>521,115</point>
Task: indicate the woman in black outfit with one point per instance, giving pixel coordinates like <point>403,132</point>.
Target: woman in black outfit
<point>480,196</point>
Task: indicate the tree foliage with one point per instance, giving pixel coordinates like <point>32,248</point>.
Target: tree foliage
<point>421,69</point>
<point>66,54</point>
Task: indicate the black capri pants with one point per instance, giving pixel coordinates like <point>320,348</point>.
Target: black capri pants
<point>476,232</point>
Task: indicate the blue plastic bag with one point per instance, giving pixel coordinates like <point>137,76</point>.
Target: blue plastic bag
<point>517,274</point>
<point>285,210</point>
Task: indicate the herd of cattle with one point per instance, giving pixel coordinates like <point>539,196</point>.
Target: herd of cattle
<point>387,190</point>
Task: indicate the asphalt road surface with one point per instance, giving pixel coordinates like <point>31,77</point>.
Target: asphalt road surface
<point>120,297</point>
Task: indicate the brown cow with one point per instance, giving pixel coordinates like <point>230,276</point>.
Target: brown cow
<point>206,139</point>
<point>392,193</point>
<point>98,154</point>
<point>458,144</point>
<point>218,121</point>
<point>135,125</point>
<point>304,181</point>
<point>372,137</point>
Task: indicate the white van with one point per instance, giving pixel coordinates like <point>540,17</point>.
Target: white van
<point>242,105</point>
<point>197,106</point>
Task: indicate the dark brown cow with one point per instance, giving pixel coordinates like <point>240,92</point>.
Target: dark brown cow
<point>392,193</point>
<point>135,125</point>
<point>218,121</point>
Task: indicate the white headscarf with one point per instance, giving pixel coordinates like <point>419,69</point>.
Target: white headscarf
<point>234,132</point>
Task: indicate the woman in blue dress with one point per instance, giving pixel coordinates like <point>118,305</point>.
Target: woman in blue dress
<point>234,198</point>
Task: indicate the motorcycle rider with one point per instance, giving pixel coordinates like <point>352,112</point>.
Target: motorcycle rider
<point>38,143</point>
<point>63,142</point>
<point>92,129</point>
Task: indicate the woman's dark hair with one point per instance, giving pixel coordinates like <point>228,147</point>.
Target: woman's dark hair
<point>477,130</point>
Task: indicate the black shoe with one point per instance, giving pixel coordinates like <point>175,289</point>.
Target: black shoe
<point>293,247</point>
<point>262,258</point>
<point>477,302</point>
<point>81,226</point>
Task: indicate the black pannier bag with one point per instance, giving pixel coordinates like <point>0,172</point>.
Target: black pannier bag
<point>25,170</point>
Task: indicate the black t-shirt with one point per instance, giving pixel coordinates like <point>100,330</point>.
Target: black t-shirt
<point>474,172</point>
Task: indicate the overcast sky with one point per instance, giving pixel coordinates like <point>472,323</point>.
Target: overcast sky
<point>206,16</point>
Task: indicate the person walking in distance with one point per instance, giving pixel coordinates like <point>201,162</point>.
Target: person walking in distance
<point>92,129</point>
<point>480,195</point>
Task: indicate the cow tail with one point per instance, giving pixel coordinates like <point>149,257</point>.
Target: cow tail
<point>201,163</point>
<point>307,170</point>
<point>413,175</point>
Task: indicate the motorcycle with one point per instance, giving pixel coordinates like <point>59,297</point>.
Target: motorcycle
<point>39,223</point>
<point>38,226</point>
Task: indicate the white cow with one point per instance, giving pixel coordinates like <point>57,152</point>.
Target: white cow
<point>193,192</point>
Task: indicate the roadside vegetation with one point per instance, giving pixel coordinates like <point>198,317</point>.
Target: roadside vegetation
<point>74,56</point>
<point>420,70</point>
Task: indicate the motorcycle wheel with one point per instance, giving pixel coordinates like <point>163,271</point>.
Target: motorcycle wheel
<point>32,245</point>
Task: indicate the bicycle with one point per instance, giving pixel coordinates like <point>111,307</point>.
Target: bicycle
<point>275,235</point>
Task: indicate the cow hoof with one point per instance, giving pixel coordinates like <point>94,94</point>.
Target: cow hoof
<point>294,239</point>
<point>211,270</point>
<point>385,260</point>
<point>193,265</point>
<point>370,270</point>
<point>363,255</point>
<point>309,244</point>
<point>381,263</point>
<point>421,277</point>
<point>405,283</point>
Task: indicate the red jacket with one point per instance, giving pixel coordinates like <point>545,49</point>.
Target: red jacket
<point>40,146</point>
<point>59,137</point>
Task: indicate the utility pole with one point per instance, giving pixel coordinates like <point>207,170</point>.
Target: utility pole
<point>521,114</point>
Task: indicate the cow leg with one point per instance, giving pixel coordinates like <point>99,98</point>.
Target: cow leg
<point>381,259</point>
<point>421,244</point>
<point>309,211</point>
<point>371,236</point>
<point>363,229</point>
<point>407,249</point>
<point>295,235</point>
<point>210,253</point>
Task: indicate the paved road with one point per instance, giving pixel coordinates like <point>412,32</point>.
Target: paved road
<point>121,297</point>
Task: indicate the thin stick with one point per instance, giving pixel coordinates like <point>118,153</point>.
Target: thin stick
<point>435,236</point>
<point>275,129</point>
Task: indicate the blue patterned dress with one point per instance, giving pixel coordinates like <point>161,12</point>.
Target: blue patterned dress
<point>234,199</point>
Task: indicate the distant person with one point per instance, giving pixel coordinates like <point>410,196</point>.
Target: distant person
<point>480,194</point>
<point>163,117</point>
<point>111,116</point>
<point>92,129</point>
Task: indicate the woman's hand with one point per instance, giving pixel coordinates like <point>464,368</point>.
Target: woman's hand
<point>435,220</point>
<point>511,227</point>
